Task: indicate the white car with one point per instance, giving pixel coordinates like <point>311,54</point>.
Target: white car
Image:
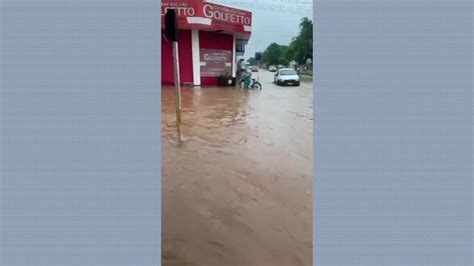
<point>287,76</point>
<point>272,69</point>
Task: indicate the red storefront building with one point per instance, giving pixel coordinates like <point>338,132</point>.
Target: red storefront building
<point>212,38</point>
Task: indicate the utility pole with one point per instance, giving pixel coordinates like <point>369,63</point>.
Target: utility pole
<point>172,34</point>
<point>259,57</point>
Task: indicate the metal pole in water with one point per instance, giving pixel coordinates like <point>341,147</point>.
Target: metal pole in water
<point>177,90</point>
<point>171,26</point>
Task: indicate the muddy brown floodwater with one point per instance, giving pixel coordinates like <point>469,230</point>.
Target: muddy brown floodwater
<point>238,191</point>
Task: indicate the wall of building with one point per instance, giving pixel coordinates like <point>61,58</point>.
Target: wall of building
<point>214,40</point>
<point>207,40</point>
<point>185,58</point>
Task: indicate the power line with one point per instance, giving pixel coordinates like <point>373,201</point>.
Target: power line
<point>282,3</point>
<point>298,7</point>
<point>289,2</point>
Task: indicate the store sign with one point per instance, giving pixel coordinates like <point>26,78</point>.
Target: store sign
<point>240,47</point>
<point>215,62</point>
<point>226,14</point>
<point>204,15</point>
<point>183,10</point>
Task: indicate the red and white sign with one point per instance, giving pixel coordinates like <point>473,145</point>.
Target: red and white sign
<point>215,62</point>
<point>204,15</point>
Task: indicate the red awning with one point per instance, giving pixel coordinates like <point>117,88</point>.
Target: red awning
<point>197,14</point>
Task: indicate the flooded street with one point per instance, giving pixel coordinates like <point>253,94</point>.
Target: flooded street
<point>238,191</point>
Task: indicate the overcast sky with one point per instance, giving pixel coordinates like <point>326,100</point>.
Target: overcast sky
<point>273,20</point>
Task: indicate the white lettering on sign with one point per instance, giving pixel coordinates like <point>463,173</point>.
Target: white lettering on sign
<point>214,62</point>
<point>225,14</point>
<point>216,57</point>
<point>174,4</point>
<point>181,11</point>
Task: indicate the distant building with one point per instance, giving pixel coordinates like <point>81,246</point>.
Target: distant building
<point>212,39</point>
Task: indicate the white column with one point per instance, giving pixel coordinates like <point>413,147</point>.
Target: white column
<point>196,57</point>
<point>234,70</point>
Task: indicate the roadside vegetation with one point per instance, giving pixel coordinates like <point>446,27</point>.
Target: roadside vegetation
<point>296,53</point>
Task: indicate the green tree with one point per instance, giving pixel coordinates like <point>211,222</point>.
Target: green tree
<point>283,61</point>
<point>274,54</point>
<point>301,48</point>
<point>290,52</point>
<point>252,61</point>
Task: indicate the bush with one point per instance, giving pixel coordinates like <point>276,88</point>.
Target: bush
<point>225,79</point>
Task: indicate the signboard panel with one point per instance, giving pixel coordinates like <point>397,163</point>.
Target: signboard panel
<point>240,47</point>
<point>204,15</point>
<point>215,62</point>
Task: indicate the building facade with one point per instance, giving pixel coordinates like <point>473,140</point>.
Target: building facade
<point>212,39</point>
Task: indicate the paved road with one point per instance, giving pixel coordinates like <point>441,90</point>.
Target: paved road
<point>238,192</point>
